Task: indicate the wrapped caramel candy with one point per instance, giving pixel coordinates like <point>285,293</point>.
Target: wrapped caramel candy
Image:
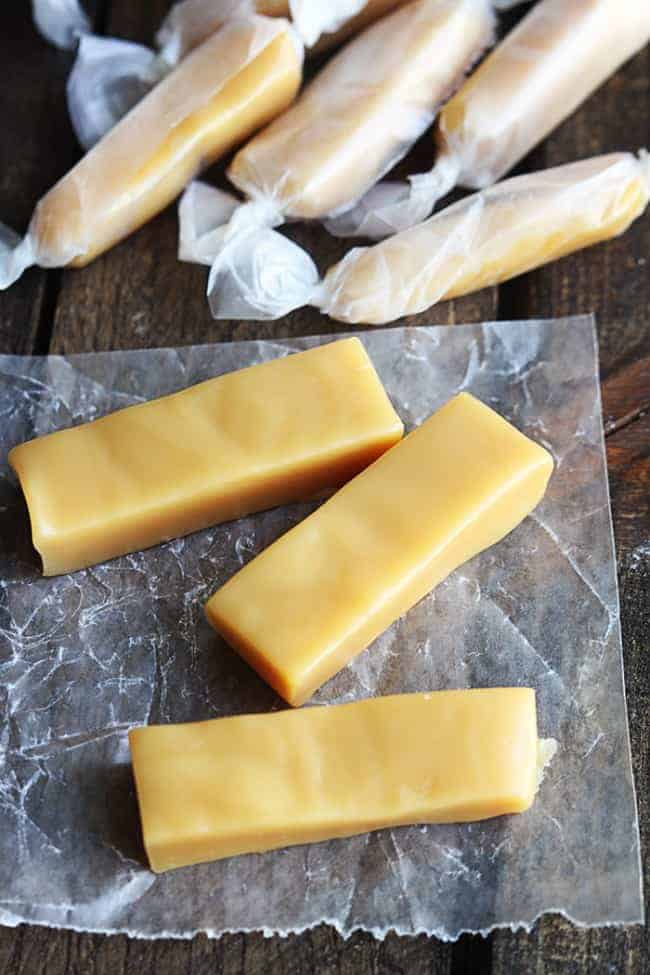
<point>545,68</point>
<point>482,240</point>
<point>352,123</point>
<point>236,81</point>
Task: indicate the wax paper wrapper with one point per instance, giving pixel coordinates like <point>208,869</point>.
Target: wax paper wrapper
<point>85,657</point>
<point>542,71</point>
<point>354,120</point>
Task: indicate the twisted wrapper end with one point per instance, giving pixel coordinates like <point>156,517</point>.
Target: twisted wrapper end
<point>390,207</point>
<point>16,255</point>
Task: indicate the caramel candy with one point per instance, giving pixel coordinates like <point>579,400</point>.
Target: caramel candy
<point>300,610</point>
<point>543,70</point>
<point>235,82</point>
<point>487,238</point>
<point>484,239</point>
<point>248,784</point>
<point>364,109</point>
<point>278,432</point>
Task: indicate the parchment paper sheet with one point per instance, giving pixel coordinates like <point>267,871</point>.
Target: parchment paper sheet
<point>86,656</point>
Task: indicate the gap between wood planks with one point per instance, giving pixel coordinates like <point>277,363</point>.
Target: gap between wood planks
<point>45,325</point>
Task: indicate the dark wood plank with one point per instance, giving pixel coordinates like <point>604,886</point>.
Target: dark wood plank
<point>40,951</point>
<point>626,394</point>
<point>626,412</point>
<point>36,148</point>
<point>612,280</point>
<point>628,456</point>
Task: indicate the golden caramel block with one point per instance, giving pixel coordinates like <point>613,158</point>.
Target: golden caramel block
<point>235,82</point>
<point>305,606</point>
<point>364,108</point>
<point>487,238</point>
<point>219,788</point>
<point>278,432</point>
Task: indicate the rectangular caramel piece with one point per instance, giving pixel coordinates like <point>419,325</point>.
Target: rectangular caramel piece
<point>247,784</point>
<point>278,432</point>
<point>303,608</point>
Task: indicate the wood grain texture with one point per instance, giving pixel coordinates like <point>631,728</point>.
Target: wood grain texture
<point>626,395</point>
<point>628,458</point>
<point>37,146</point>
<point>138,295</point>
<point>41,951</point>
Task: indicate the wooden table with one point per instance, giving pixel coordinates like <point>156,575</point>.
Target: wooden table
<point>138,295</point>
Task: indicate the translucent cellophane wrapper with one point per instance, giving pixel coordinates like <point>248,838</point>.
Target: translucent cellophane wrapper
<point>355,119</point>
<point>364,109</point>
<point>110,75</point>
<point>190,21</point>
<point>560,53</point>
<point>61,22</point>
<point>85,657</point>
<point>484,239</point>
<point>145,162</point>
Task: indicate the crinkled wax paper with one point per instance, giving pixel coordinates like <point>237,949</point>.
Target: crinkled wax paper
<point>86,656</point>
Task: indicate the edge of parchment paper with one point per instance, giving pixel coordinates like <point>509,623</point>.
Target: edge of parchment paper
<point>379,933</point>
